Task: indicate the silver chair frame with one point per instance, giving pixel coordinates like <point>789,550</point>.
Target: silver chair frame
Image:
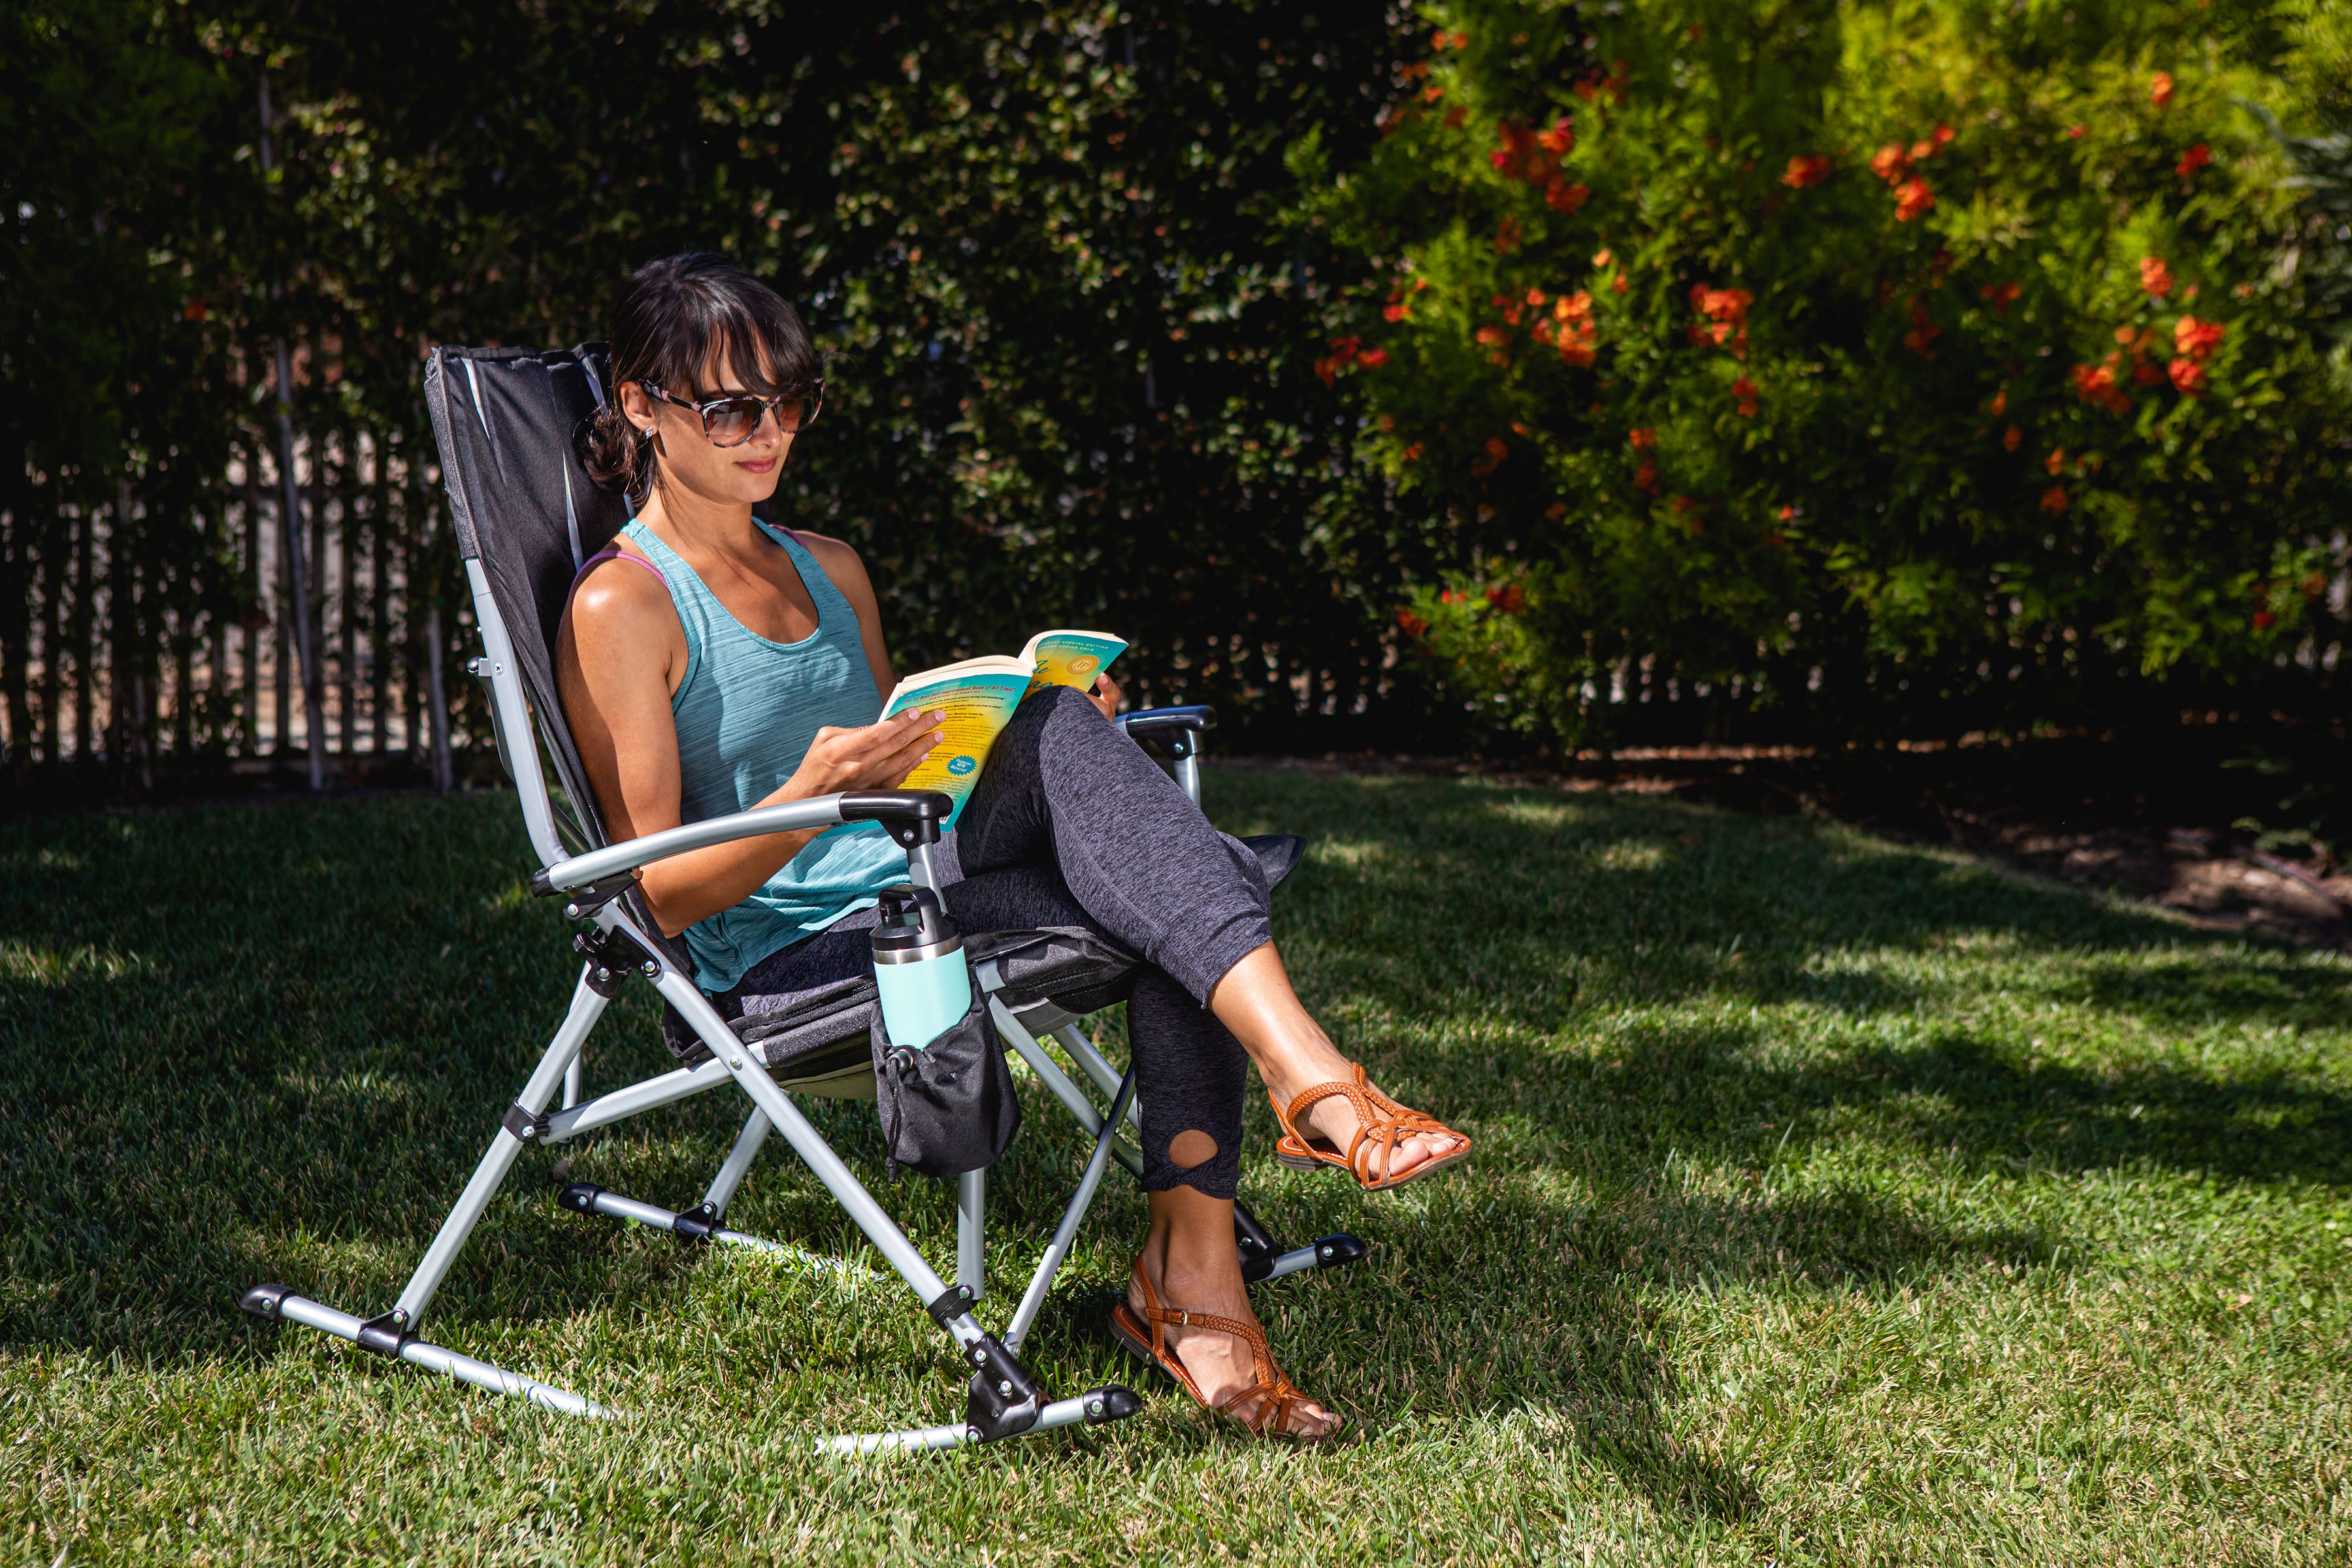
<point>1018,1408</point>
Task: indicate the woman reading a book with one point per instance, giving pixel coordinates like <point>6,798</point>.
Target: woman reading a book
<point>710,663</point>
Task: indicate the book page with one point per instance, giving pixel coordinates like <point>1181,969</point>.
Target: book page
<point>978,698</point>
<point>1070,658</point>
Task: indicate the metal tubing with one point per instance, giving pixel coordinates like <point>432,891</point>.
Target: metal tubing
<point>448,1362</point>
<point>923,1439</point>
<point>1091,1060</point>
<point>738,1162</point>
<point>678,988</point>
<point>972,1231</point>
<point>922,868</point>
<point>1297,1260</point>
<point>499,1158</point>
<point>615,1206</point>
<point>623,1103</point>
<point>792,816</point>
<point>1050,1073</point>
<point>511,716</point>
<point>1034,1299</point>
<point>1188,774</point>
<point>576,1080</point>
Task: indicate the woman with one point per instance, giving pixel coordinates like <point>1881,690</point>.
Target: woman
<point>710,664</point>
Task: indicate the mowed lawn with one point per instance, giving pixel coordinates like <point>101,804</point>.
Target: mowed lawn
<point>1835,1202</point>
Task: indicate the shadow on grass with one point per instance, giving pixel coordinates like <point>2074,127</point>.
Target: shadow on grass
<point>248,1043</point>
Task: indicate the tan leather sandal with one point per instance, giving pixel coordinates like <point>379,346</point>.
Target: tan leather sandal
<point>1274,1393</point>
<point>1382,1124</point>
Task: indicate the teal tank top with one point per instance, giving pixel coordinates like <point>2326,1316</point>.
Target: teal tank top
<point>746,714</point>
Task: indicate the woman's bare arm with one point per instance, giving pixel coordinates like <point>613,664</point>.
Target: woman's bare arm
<point>620,656</point>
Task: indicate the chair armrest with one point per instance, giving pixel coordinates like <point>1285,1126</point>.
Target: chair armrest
<point>1178,729</point>
<point>914,817</point>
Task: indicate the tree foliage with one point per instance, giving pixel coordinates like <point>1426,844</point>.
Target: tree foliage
<point>1894,365</point>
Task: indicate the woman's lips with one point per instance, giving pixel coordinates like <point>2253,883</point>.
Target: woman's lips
<point>757,465</point>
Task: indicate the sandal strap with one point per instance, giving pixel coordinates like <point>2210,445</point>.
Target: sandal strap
<point>1273,1389</point>
<point>1382,1124</point>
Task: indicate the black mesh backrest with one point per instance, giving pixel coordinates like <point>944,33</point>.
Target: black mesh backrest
<point>505,421</point>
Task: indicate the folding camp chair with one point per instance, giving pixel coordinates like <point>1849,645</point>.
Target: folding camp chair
<point>526,518</point>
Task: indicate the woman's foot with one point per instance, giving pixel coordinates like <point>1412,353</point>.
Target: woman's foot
<point>1189,1266</point>
<point>1293,1054</point>
<point>1336,1119</point>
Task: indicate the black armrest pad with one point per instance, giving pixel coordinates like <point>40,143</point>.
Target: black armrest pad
<point>1161,720</point>
<point>895,804</point>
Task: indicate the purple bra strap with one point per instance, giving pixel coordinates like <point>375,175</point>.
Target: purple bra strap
<point>609,553</point>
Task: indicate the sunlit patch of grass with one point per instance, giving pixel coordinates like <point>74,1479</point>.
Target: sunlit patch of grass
<point>1835,1202</point>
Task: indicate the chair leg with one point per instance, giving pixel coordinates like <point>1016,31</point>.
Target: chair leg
<point>576,1080</point>
<point>972,1233</point>
<point>738,1163</point>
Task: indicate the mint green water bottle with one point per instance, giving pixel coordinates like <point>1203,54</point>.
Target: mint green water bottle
<point>920,968</point>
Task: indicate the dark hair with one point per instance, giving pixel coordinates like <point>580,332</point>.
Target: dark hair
<point>674,318</point>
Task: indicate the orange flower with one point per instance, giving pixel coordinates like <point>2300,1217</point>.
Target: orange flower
<point>1414,627</point>
<point>1619,284</point>
<point>1431,94</point>
<point>1570,307</point>
<point>1491,336</point>
<point>2198,339</point>
<point>1890,163</point>
<point>2010,439</point>
<point>2053,500</point>
<point>1507,234</point>
<point>1726,309</point>
<point>1806,170</point>
<point>1645,478</point>
<point>2054,461</point>
<point>2000,402</point>
<point>1924,331</point>
<point>2159,89</point>
<point>2095,383</point>
<point>2155,275</point>
<point>1745,390</point>
<point>1511,598</point>
<point>2196,158</point>
<point>2188,377</point>
<point>1642,440</point>
<point>1912,198</point>
<point>2075,133</point>
<point>2265,620</point>
<point>1411,453</point>
<point>1943,137</point>
<point>2000,295</point>
<point>1372,359</point>
<point>1560,139</point>
<point>1563,197</point>
<point>1602,257</point>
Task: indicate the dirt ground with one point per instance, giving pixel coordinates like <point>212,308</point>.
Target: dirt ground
<point>2158,823</point>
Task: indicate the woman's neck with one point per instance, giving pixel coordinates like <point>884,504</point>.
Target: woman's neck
<point>692,524</point>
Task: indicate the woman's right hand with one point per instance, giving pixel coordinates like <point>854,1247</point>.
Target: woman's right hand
<point>875,756</point>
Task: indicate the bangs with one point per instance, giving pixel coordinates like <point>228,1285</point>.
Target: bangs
<point>735,320</point>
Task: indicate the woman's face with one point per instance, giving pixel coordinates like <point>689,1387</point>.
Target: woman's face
<point>727,476</point>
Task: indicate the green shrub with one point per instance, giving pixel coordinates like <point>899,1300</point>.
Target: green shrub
<point>1891,364</point>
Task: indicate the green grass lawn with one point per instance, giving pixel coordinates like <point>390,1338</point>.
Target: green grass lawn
<point>1835,1202</point>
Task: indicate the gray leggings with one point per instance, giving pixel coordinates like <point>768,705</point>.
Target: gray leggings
<point>1073,825</point>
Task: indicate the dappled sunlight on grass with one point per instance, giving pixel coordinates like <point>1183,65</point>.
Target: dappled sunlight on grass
<point>1826,1192</point>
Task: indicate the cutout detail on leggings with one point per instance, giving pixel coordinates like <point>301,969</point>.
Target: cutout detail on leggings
<point>1190,1147</point>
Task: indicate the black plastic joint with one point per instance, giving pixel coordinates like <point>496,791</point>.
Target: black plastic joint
<point>580,1197</point>
<point>952,1303</point>
<point>384,1335</point>
<point>265,1301</point>
<point>912,815</point>
<point>695,1224</point>
<point>610,955</point>
<point>585,903</point>
<point>1003,1400</point>
<point>1338,1251</point>
<point>540,887</point>
<point>524,1125</point>
<point>1108,1403</point>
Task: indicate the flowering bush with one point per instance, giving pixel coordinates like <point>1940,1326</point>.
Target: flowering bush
<point>1879,359</point>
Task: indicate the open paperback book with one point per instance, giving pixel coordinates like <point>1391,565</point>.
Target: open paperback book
<point>978,697</point>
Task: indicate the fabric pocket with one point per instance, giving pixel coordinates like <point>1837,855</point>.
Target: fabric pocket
<point>949,1106</point>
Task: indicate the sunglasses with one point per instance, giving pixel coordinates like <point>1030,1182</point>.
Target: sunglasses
<point>731,421</point>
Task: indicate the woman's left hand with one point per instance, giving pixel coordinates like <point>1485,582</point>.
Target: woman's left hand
<point>1105,696</point>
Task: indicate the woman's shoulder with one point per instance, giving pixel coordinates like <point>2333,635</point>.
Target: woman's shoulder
<point>837,556</point>
<point>619,587</point>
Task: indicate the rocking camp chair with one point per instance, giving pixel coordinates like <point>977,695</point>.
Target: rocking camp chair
<point>527,517</point>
